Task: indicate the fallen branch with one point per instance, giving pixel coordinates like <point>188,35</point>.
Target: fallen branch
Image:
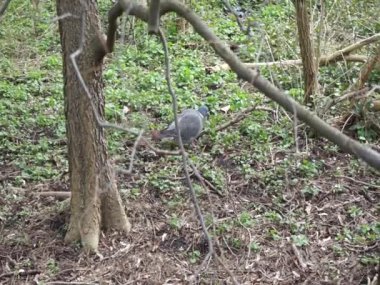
<point>346,96</point>
<point>323,61</point>
<point>59,195</point>
<point>204,181</point>
<point>241,116</point>
<point>359,182</point>
<point>21,272</point>
<point>345,51</point>
<point>70,283</point>
<point>252,76</point>
<point>339,55</point>
<point>299,257</point>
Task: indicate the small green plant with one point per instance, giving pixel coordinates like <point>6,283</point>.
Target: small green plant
<point>310,191</point>
<point>236,243</point>
<point>273,216</point>
<point>52,266</point>
<point>338,250</point>
<point>175,222</point>
<point>254,246</point>
<point>224,227</point>
<point>194,256</point>
<point>135,193</point>
<point>338,188</point>
<point>245,219</point>
<point>273,234</point>
<point>355,211</point>
<point>308,168</point>
<point>345,235</point>
<point>370,260</point>
<point>300,240</point>
<point>369,232</point>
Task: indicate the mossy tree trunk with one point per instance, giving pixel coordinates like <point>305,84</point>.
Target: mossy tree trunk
<point>95,201</point>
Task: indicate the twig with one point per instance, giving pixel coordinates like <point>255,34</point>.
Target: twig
<point>299,257</point>
<point>60,195</point>
<point>70,283</point>
<point>229,272</point>
<point>20,273</point>
<point>203,180</point>
<point>183,153</point>
<point>345,51</point>
<point>132,155</point>
<point>241,116</point>
<point>358,181</point>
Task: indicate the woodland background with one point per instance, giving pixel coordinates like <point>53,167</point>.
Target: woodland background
<point>281,210</point>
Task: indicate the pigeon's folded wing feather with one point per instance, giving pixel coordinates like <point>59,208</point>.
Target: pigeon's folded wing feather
<point>190,124</point>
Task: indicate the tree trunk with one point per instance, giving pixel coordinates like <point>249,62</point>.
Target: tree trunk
<point>307,51</point>
<point>95,201</point>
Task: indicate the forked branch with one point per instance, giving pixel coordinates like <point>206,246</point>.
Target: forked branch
<point>252,76</point>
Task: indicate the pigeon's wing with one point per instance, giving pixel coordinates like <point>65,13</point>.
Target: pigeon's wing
<point>170,131</point>
<point>190,123</point>
<point>191,126</point>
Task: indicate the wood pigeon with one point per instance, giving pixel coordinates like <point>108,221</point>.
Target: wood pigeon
<point>190,123</point>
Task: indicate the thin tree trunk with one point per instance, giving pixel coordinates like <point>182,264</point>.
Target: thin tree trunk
<point>307,51</point>
<point>4,7</point>
<point>368,67</point>
<point>95,201</point>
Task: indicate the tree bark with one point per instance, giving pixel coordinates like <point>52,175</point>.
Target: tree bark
<point>307,51</point>
<point>95,201</point>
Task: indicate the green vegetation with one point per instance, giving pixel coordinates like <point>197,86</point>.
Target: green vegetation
<point>268,195</point>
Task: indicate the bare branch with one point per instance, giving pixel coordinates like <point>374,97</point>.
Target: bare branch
<point>115,12</point>
<point>135,145</point>
<point>353,47</point>
<point>368,67</point>
<point>287,102</point>
<point>184,154</point>
<point>154,17</point>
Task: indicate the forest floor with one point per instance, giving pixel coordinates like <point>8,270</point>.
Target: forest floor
<point>257,238</point>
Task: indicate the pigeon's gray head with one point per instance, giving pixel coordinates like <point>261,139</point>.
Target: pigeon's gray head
<point>204,111</point>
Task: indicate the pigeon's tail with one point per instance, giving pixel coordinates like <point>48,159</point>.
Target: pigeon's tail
<point>159,135</point>
<point>167,134</point>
